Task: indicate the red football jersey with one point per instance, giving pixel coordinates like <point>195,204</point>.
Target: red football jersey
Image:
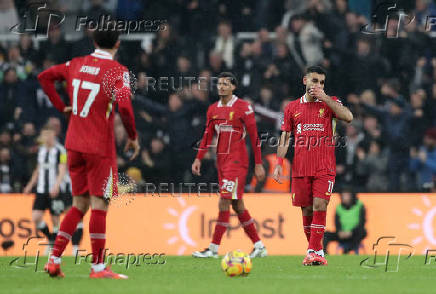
<point>230,123</point>
<point>91,124</point>
<point>313,126</point>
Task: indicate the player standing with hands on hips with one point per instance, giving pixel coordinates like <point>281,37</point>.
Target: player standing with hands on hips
<point>312,121</point>
<point>90,141</point>
<point>230,119</point>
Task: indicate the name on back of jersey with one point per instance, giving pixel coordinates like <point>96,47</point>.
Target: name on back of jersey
<point>92,70</point>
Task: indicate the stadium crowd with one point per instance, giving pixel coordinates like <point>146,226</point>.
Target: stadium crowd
<point>388,82</point>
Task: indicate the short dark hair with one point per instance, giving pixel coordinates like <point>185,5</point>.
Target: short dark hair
<point>105,39</point>
<point>229,76</point>
<point>317,69</point>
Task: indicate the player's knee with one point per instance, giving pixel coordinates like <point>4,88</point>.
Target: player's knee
<point>36,216</point>
<point>320,204</point>
<point>224,204</point>
<point>238,206</point>
<point>307,211</point>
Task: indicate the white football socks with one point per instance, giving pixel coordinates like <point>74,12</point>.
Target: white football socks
<point>98,267</point>
<point>213,247</point>
<point>258,244</point>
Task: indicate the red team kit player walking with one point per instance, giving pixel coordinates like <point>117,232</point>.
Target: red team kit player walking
<point>90,142</point>
<point>312,121</point>
<point>230,119</point>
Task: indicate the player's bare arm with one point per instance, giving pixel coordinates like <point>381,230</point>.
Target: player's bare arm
<point>32,181</point>
<point>282,149</point>
<point>54,192</point>
<point>342,112</point>
<point>196,165</point>
<point>204,145</point>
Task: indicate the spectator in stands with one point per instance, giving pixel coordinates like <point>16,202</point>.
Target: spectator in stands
<point>396,127</point>
<point>305,41</point>
<point>84,45</point>
<point>155,164</point>
<point>371,168</point>
<point>423,161</point>
<point>420,119</point>
<point>11,99</point>
<point>27,51</point>
<point>8,15</point>
<point>225,44</point>
<point>8,182</point>
<point>350,220</point>
<point>56,48</point>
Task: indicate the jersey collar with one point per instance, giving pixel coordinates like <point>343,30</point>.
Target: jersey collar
<point>230,104</point>
<point>102,54</point>
<point>303,99</point>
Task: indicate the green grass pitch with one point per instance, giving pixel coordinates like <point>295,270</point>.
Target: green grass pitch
<point>273,274</point>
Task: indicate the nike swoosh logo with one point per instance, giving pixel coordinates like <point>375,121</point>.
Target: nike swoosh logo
<point>297,114</point>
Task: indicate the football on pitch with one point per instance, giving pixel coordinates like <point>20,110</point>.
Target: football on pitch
<point>236,263</point>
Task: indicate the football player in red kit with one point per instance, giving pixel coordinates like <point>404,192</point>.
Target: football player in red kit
<point>230,119</point>
<point>90,141</point>
<point>312,121</point>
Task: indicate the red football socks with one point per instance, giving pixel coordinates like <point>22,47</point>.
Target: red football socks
<point>317,230</point>
<point>66,230</point>
<point>248,224</point>
<point>221,227</point>
<point>307,222</point>
<point>97,233</point>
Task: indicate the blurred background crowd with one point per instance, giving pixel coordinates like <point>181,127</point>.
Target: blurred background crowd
<point>388,81</point>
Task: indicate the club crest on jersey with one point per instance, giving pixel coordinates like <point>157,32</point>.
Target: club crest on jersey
<point>231,115</point>
<point>321,112</point>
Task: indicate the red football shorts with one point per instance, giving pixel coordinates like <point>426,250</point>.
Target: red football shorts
<point>232,183</point>
<point>304,189</point>
<point>93,174</point>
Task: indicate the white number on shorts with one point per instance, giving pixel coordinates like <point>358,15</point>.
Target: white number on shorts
<point>95,88</point>
<point>228,185</point>
<point>330,189</point>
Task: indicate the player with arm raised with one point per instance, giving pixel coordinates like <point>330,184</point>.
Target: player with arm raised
<point>90,141</point>
<point>312,121</point>
<point>230,119</point>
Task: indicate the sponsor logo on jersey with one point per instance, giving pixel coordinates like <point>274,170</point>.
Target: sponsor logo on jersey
<point>223,128</point>
<point>313,127</point>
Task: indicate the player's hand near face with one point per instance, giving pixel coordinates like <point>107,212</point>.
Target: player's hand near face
<point>278,172</point>
<point>133,145</point>
<point>259,172</point>
<point>318,93</point>
<point>196,165</point>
